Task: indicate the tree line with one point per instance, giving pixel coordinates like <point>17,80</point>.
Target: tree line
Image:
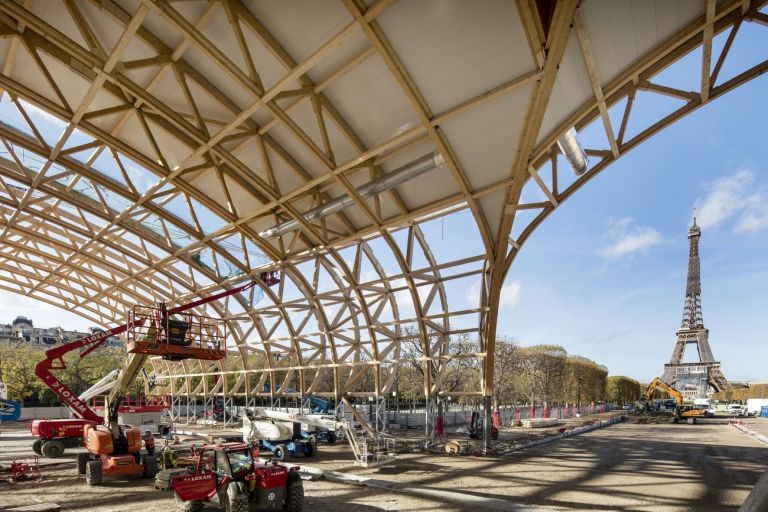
<point>743,393</point>
<point>17,371</point>
<point>539,374</point>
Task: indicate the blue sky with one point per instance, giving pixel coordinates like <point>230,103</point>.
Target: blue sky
<point>604,276</point>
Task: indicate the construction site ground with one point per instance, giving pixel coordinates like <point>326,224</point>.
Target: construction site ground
<point>630,466</point>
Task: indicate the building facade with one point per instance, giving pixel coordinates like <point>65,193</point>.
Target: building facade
<point>22,329</point>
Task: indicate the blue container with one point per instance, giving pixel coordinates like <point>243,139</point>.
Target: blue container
<point>764,411</point>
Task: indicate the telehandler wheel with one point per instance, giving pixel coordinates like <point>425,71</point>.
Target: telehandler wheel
<point>279,452</point>
<point>93,473</point>
<point>310,447</point>
<point>36,446</point>
<point>237,498</point>
<point>331,437</point>
<point>150,466</point>
<point>294,493</point>
<point>189,506</point>
<point>52,449</point>
<point>82,462</point>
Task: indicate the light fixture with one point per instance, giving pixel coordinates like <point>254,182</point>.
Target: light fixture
<point>573,152</point>
<point>382,184</point>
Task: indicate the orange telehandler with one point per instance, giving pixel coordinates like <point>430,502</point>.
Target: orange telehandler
<point>172,334</point>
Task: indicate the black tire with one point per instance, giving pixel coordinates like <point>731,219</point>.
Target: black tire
<point>331,437</point>
<point>294,493</point>
<point>36,446</point>
<point>82,462</point>
<point>189,506</point>
<point>279,452</point>
<point>93,473</point>
<point>52,449</point>
<point>309,449</point>
<point>149,462</point>
<point>237,503</point>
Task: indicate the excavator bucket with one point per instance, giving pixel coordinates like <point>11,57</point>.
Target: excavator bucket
<point>152,331</point>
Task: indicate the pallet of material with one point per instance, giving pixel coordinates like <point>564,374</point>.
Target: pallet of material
<point>539,422</point>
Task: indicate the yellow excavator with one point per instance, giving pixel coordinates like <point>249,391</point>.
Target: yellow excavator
<point>683,412</point>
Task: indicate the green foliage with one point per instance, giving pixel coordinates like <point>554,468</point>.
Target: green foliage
<point>621,389</point>
<point>17,370</point>
<point>741,394</point>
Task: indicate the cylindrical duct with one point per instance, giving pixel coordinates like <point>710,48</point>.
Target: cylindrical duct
<point>573,152</point>
<point>377,186</point>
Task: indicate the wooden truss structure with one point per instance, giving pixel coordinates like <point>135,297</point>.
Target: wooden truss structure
<point>148,147</point>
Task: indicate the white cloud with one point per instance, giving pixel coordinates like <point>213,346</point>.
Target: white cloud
<point>628,239</point>
<point>724,199</point>
<point>738,196</point>
<point>510,295</point>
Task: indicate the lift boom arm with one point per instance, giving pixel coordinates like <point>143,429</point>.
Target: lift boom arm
<point>54,358</point>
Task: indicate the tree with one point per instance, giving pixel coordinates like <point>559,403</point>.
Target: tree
<point>17,366</point>
<point>506,371</point>
<point>545,367</point>
<point>621,389</point>
<point>585,380</point>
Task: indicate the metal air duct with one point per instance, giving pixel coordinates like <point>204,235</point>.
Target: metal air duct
<point>573,152</point>
<point>377,186</point>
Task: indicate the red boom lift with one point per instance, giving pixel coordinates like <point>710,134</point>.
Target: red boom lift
<point>151,331</point>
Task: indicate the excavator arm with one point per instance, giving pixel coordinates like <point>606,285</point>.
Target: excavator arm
<point>657,383</point>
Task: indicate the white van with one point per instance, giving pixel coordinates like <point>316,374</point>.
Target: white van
<point>736,409</point>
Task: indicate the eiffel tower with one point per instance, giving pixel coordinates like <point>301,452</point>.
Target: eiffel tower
<point>692,331</point>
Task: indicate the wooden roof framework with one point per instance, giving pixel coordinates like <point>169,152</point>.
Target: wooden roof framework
<point>184,130</point>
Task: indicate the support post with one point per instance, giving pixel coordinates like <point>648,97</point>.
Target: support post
<point>429,422</point>
<point>487,424</point>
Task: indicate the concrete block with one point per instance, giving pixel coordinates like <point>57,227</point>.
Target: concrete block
<point>540,422</point>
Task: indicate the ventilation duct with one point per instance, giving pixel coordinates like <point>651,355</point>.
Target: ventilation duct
<point>573,152</point>
<point>377,186</point>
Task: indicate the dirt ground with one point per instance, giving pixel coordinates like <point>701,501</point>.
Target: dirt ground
<point>626,467</point>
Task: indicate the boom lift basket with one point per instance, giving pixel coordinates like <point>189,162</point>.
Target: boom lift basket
<point>152,331</point>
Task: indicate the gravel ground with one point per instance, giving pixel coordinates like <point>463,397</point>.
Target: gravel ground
<point>626,467</point>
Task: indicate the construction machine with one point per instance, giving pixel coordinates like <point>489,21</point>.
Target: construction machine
<point>231,476</point>
<point>687,413</point>
<point>55,435</point>
<point>476,424</point>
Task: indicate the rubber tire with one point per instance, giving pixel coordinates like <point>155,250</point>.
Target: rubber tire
<point>294,493</point>
<point>279,452</point>
<point>82,462</point>
<point>149,462</point>
<point>36,446</point>
<point>309,449</point>
<point>675,420</point>
<point>331,437</point>
<point>52,449</point>
<point>189,506</point>
<point>237,503</point>
<point>94,474</point>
